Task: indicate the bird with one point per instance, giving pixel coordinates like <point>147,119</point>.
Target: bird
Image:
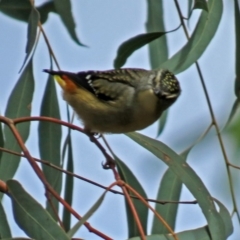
<point>119,100</point>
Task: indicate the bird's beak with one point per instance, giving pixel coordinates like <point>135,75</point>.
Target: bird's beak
<point>60,81</point>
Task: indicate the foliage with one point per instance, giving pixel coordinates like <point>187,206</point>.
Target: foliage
<point>58,154</point>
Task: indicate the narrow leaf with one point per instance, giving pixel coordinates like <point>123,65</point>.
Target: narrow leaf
<point>131,45</point>
<point>200,4</point>
<point>5,231</point>
<point>16,9</point>
<point>129,178</point>
<point>190,3</point>
<point>237,30</point>
<point>50,138</point>
<point>31,33</point>
<point>169,190</point>
<point>204,32</point>
<point>233,111</point>
<point>198,233</point>
<point>187,175</point>
<point>226,217</point>
<point>45,9</point>
<point>193,234</point>
<point>158,49</point>
<point>90,212</point>
<point>17,238</point>
<point>68,186</point>
<point>21,10</point>
<point>31,217</point>
<point>237,67</point>
<point>162,122</point>
<point>19,105</point>
<point>1,139</point>
<point>63,8</point>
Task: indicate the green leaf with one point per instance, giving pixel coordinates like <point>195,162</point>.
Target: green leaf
<point>200,4</point>
<point>20,10</point>
<point>19,105</point>
<point>131,45</point>
<point>5,231</point>
<point>199,233</point>
<point>63,8</point>
<point>233,111</point>
<point>68,186</point>
<point>234,130</point>
<point>1,139</point>
<point>158,49</point>
<point>190,3</point>
<point>45,9</point>
<point>50,139</point>
<point>141,209</point>
<point>31,217</point>
<point>193,234</point>
<point>162,122</point>
<point>18,238</point>
<point>187,175</point>
<point>226,217</point>
<point>237,40</point>
<point>204,32</point>
<point>90,212</point>
<point>31,33</point>
<point>170,190</point>
<point>16,9</point>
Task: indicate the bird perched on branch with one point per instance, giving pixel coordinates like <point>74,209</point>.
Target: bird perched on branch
<point>118,101</point>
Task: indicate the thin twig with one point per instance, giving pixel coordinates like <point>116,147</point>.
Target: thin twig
<point>38,171</point>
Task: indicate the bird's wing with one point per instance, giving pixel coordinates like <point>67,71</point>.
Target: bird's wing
<point>109,85</point>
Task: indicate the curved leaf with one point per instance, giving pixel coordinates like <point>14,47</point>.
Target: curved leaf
<point>1,139</point>
<point>5,231</point>
<point>169,189</point>
<point>132,44</point>
<point>198,233</point>
<point>63,7</point>
<point>237,68</point>
<point>162,122</point>
<point>86,216</point>
<point>237,42</point>
<point>193,234</point>
<point>158,49</point>
<point>31,33</point>
<point>31,217</point>
<point>184,172</point>
<point>233,111</point>
<point>226,217</point>
<point>21,10</point>
<point>50,139</point>
<point>204,32</point>
<point>200,4</point>
<point>129,178</point>
<point>16,9</point>
<point>45,9</point>
<point>69,183</point>
<point>17,238</point>
<point>19,105</point>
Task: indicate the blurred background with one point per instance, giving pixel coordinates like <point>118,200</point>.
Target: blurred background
<point>102,26</point>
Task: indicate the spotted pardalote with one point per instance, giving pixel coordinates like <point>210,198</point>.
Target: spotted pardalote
<point>118,101</point>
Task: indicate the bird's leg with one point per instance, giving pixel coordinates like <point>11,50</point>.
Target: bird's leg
<point>110,163</point>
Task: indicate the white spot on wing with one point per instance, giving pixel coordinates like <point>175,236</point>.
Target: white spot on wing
<point>88,76</point>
